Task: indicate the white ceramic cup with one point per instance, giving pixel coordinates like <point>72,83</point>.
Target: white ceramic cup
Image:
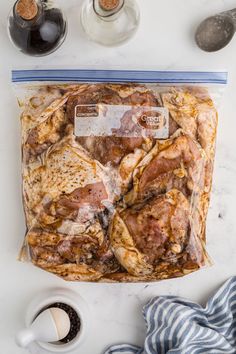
<point>47,298</point>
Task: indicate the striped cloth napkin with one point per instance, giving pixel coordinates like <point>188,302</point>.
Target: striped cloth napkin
<point>178,326</point>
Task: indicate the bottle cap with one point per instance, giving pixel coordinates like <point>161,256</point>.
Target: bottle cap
<point>27,9</point>
<point>109,5</point>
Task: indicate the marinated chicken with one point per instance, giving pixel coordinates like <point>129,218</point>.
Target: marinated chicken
<point>147,236</point>
<point>127,206</point>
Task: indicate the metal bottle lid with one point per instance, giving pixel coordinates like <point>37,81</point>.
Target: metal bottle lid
<point>27,9</point>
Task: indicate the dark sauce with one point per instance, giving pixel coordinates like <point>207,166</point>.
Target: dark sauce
<point>39,36</point>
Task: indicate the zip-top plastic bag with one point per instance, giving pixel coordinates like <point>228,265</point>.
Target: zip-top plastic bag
<point>117,171</point>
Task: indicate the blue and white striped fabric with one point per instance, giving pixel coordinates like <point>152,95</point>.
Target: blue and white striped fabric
<point>178,326</point>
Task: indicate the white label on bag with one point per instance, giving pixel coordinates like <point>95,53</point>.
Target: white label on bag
<point>121,121</point>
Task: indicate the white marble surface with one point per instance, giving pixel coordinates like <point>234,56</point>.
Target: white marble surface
<point>164,40</point>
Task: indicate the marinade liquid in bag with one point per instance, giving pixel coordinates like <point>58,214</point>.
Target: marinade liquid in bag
<point>117,171</point>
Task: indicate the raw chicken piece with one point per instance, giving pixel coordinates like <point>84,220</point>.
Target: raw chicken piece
<point>147,236</point>
<point>45,134</point>
<point>56,181</point>
<point>193,110</point>
<point>83,256</point>
<point>175,163</point>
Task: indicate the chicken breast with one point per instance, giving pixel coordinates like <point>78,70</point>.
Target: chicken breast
<point>147,236</point>
<point>80,256</point>
<point>64,180</point>
<point>193,110</point>
<point>178,162</point>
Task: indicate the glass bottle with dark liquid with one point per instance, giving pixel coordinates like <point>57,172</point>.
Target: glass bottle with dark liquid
<point>36,29</point>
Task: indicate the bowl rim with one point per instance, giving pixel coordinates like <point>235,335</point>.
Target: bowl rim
<point>49,297</point>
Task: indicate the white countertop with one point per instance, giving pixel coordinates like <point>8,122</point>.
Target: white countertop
<point>163,40</point>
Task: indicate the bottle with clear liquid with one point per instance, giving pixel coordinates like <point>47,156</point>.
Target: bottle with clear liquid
<point>110,22</point>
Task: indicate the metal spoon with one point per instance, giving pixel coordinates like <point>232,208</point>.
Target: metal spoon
<point>215,32</point>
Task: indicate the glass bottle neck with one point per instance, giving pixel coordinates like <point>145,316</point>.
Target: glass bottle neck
<point>29,23</point>
<point>107,15</point>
